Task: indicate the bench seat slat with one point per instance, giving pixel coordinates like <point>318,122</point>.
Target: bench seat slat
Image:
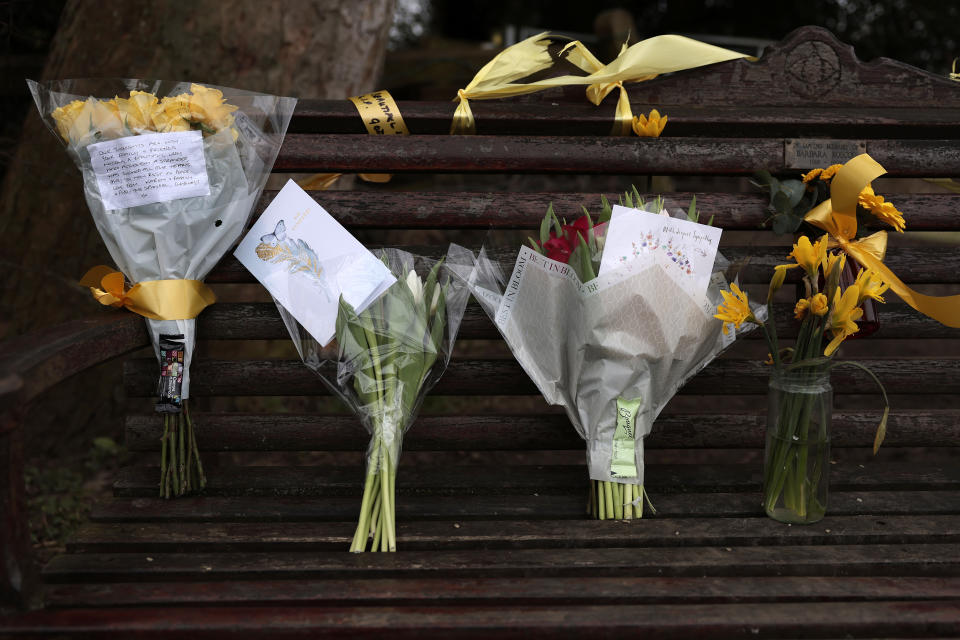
<point>261,321</point>
<point>455,432</point>
<point>516,210</point>
<point>796,560</point>
<point>539,534</point>
<point>915,265</point>
<point>577,154</point>
<point>505,377</point>
<point>557,114</point>
<point>505,591</point>
<point>894,618</point>
<point>502,507</point>
<point>469,480</point>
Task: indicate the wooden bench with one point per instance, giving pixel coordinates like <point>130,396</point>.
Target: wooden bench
<point>492,532</point>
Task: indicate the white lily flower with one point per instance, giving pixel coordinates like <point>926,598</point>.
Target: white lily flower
<point>415,285</point>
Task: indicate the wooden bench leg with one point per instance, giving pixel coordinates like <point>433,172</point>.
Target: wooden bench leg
<point>15,567</point>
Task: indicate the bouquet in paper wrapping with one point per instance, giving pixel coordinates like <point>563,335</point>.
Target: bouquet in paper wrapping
<point>609,320</point>
<point>171,172</point>
<point>388,353</point>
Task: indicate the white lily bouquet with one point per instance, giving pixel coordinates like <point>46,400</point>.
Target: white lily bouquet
<point>387,357</point>
<point>609,318</point>
<point>171,173</point>
<point>378,328</point>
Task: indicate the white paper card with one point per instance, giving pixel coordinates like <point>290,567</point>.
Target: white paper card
<point>155,167</point>
<point>685,249</point>
<point>306,260</point>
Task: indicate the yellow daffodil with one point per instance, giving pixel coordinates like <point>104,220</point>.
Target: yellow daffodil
<point>800,310</point>
<point>842,322</point>
<point>769,359</point>
<point>870,286</point>
<point>884,210</point>
<point>810,256</point>
<point>834,261</point>
<point>827,174</point>
<point>650,127</point>
<point>779,275</point>
<point>819,305</point>
<point>735,308</point>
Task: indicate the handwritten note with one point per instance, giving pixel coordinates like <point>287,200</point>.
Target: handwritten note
<point>380,114</point>
<point>156,167</point>
<point>685,249</point>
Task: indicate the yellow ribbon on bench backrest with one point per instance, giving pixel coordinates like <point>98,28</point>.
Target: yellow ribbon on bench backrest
<point>838,217</point>
<point>380,116</point>
<point>154,299</point>
<point>639,62</point>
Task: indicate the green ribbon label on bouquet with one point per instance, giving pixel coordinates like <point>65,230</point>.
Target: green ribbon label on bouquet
<point>623,461</point>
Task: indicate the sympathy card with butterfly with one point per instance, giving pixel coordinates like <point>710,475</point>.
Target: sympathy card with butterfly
<point>307,260</point>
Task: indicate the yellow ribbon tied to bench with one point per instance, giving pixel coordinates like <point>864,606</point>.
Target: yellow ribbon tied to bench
<point>380,116</point>
<point>639,62</point>
<point>154,299</point>
<point>838,217</point>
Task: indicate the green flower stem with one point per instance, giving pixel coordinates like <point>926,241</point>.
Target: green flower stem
<point>361,533</point>
<point>181,456</point>
<point>608,498</point>
<point>201,477</point>
<point>387,508</point>
<point>163,452</point>
<point>617,500</point>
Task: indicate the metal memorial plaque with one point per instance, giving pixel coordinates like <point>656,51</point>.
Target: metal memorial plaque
<point>809,153</point>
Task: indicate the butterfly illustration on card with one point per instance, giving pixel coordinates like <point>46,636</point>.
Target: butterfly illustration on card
<point>295,254</point>
<point>279,234</point>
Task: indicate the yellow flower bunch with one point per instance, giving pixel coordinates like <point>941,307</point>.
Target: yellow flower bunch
<point>826,175</point>
<point>204,108</point>
<point>649,127</point>
<point>833,310</point>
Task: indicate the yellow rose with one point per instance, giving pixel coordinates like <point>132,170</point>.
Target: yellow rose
<point>172,113</point>
<point>136,112</point>
<point>94,120</point>
<point>65,116</point>
<point>209,109</point>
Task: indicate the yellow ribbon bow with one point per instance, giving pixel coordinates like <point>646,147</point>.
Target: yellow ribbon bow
<point>154,299</point>
<point>838,217</point>
<point>639,62</point>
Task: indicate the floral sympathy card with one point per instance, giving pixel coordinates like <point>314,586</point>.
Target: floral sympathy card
<point>307,260</point>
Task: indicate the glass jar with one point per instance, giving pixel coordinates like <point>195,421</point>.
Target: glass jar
<point>796,464</point>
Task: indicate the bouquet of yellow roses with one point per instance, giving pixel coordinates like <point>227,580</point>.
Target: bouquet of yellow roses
<point>171,173</point>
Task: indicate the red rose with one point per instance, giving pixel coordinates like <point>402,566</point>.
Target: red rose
<point>580,226</point>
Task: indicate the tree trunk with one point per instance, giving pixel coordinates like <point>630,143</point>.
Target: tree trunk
<point>307,49</point>
<point>47,237</point>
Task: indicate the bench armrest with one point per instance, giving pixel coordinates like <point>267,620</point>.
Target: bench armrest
<point>30,365</point>
<point>35,362</point>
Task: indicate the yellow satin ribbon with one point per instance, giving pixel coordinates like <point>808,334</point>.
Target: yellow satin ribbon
<point>639,62</point>
<point>838,217</point>
<point>154,299</point>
